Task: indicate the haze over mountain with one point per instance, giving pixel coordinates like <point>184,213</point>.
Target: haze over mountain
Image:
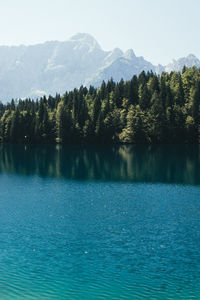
<point>54,67</point>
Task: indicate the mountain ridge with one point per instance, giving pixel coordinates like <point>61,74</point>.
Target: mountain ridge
<point>54,67</point>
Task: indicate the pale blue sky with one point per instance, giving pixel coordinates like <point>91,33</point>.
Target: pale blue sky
<point>159,30</point>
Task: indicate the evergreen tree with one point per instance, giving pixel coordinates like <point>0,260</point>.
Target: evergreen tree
<point>146,109</point>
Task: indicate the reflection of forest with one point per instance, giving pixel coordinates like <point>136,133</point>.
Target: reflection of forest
<point>172,164</point>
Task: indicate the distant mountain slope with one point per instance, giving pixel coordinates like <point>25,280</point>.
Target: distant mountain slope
<point>32,71</point>
<point>125,66</point>
<point>177,65</point>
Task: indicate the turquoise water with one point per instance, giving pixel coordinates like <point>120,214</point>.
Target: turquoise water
<point>99,222</point>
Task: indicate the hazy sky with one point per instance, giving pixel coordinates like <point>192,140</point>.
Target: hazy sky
<point>159,30</point>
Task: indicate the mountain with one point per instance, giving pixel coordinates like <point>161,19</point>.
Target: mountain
<point>177,65</point>
<point>48,68</point>
<point>32,71</point>
<point>124,66</point>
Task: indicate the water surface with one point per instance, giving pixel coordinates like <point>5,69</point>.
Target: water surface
<point>92,222</point>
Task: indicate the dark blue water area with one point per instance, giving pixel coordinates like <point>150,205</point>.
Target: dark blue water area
<point>66,234</point>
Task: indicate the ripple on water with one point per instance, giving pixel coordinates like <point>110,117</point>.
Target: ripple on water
<point>98,240</point>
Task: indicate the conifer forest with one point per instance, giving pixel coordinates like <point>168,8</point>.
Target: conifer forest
<point>147,109</point>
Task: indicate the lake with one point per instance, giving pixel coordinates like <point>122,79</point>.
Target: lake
<point>99,222</point>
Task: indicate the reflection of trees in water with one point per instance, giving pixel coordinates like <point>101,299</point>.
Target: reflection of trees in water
<point>172,164</point>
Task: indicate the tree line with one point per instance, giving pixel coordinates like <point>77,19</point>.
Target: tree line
<point>149,108</point>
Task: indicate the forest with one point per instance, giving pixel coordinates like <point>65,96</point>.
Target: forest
<point>148,109</point>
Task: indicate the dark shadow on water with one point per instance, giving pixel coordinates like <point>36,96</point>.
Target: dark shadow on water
<point>129,163</point>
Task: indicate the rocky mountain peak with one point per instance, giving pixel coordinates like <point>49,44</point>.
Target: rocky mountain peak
<point>85,39</point>
<point>191,56</point>
<point>129,54</point>
<point>188,61</point>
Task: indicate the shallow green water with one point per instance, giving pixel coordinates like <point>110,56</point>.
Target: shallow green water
<point>99,222</point>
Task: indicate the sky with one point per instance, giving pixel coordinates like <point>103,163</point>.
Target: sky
<point>158,30</point>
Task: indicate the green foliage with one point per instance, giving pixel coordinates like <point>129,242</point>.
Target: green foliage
<point>146,109</point>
